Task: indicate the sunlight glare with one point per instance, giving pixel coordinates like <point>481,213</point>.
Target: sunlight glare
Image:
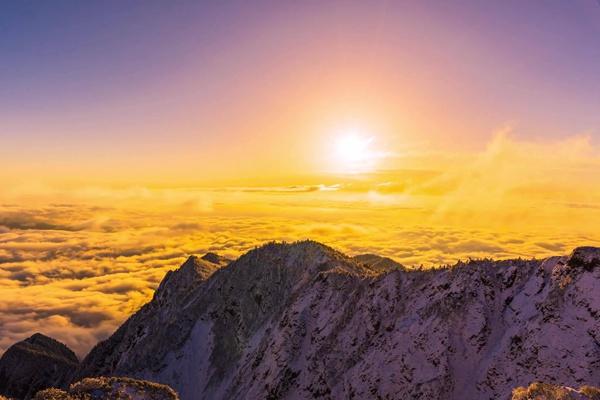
<point>353,153</point>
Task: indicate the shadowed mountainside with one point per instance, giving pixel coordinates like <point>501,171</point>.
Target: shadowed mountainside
<point>35,363</point>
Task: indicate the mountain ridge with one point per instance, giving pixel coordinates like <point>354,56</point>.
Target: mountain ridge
<point>308,321</point>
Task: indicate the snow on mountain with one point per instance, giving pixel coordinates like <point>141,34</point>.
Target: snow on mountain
<point>303,321</point>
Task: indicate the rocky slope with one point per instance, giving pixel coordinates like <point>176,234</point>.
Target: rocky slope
<point>161,324</point>
<point>35,363</point>
<point>302,321</point>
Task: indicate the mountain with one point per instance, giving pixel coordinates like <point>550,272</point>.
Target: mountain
<point>303,321</point>
<point>40,367</point>
<point>159,325</point>
<point>35,363</point>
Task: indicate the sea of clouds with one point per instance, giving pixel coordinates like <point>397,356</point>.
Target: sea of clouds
<point>76,262</point>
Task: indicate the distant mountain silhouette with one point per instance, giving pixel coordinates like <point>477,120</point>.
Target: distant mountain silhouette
<point>35,363</point>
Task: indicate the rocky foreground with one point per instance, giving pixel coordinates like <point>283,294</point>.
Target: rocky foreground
<point>110,389</point>
<point>544,391</point>
<point>303,321</point>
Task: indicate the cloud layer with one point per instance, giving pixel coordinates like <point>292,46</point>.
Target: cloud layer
<point>74,263</point>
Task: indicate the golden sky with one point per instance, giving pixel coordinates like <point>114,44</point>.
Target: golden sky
<point>430,132</point>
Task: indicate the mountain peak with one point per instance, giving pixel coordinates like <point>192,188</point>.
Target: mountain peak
<point>40,338</point>
<point>285,266</point>
<point>42,344</point>
<point>294,254</point>
<point>586,257</point>
<point>35,363</point>
<point>378,263</point>
<point>185,278</point>
<point>215,259</point>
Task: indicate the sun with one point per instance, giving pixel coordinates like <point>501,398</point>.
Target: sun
<point>353,152</point>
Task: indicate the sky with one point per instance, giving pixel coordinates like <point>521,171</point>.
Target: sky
<point>133,134</point>
<point>157,92</point>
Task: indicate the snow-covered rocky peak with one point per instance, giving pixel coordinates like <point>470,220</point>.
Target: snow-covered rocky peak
<point>587,258</point>
<point>303,321</point>
<point>181,281</point>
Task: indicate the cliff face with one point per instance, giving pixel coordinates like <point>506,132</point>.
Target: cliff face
<point>302,321</point>
<point>35,363</point>
<point>161,324</point>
